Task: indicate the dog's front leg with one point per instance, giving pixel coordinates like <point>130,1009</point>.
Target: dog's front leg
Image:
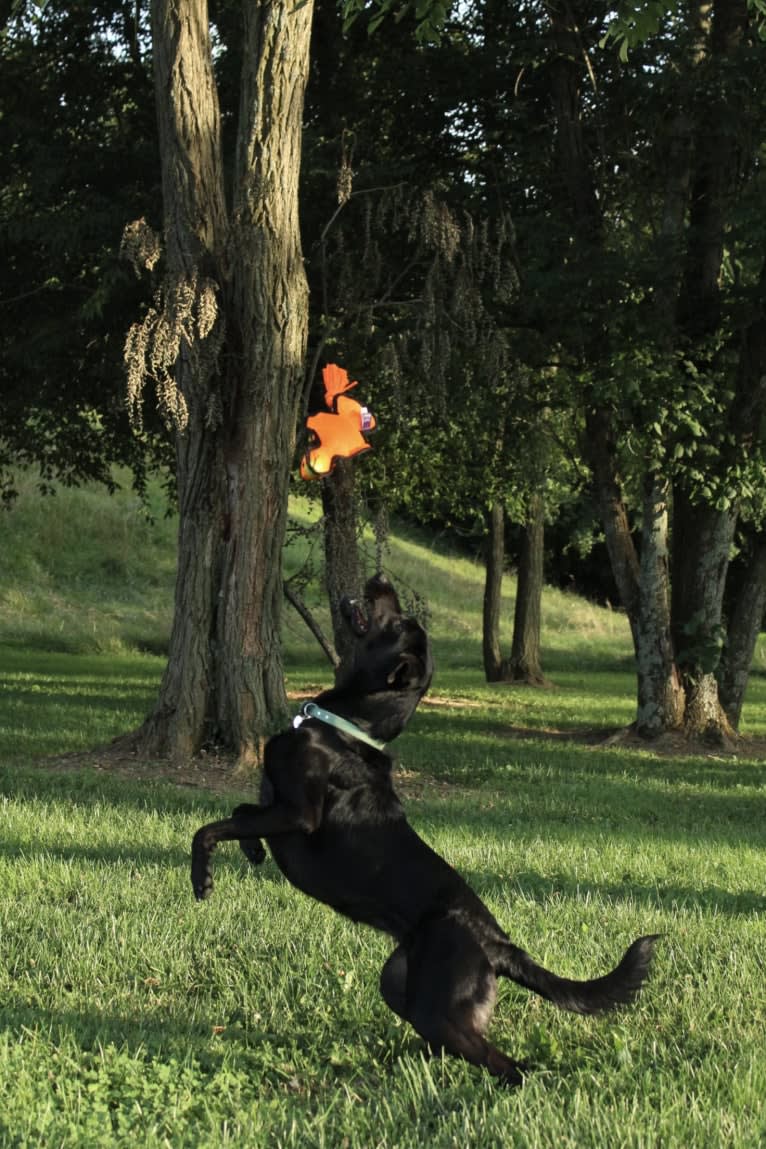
<point>247,824</point>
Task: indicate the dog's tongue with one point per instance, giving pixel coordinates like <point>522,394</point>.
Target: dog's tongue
<point>359,617</point>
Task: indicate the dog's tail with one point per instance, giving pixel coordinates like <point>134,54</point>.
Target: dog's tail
<point>601,993</point>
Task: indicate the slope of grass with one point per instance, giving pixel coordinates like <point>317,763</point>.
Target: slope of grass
<point>85,572</point>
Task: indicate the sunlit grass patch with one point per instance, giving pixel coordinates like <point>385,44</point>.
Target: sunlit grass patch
<point>130,1012</point>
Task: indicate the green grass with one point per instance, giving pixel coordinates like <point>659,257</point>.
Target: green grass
<point>131,1015</point>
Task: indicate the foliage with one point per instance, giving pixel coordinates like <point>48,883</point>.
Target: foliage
<point>415,277</point>
<point>636,21</point>
<point>429,15</point>
<point>77,131</point>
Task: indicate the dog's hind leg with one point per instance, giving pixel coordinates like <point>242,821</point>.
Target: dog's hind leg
<point>445,987</point>
<point>393,982</point>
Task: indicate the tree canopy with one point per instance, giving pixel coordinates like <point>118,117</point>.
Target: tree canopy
<point>534,230</point>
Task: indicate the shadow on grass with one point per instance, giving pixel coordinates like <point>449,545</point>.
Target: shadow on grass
<point>664,896</point>
<point>217,1044</point>
<point>481,825</point>
<point>464,748</point>
<point>87,787</point>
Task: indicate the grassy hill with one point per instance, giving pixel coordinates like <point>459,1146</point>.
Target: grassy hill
<point>86,592</point>
<point>86,572</point>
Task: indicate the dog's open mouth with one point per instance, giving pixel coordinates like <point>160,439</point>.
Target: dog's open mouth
<point>355,612</point>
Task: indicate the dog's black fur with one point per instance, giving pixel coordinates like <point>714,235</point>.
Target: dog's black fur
<point>337,831</point>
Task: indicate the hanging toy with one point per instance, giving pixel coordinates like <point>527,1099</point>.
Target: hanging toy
<point>338,432</point>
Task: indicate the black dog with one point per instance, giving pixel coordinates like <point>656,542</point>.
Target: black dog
<point>338,832</point>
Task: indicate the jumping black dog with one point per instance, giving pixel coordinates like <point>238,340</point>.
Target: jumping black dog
<point>337,831</point>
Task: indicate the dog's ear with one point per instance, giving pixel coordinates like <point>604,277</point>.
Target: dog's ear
<point>407,674</point>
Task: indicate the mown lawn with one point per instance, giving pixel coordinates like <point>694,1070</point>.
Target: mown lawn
<point>130,1015</point>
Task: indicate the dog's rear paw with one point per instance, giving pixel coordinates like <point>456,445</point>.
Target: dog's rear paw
<point>505,1070</point>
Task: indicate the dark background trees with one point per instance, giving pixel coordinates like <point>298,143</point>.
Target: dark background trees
<point>541,255</point>
<point>80,158</point>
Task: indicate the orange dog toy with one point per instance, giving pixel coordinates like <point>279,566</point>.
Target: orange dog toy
<point>338,431</point>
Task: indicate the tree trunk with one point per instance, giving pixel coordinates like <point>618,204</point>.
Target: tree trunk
<point>703,533</point>
<point>746,614</point>
<point>493,587</point>
<point>703,537</point>
<point>524,664</point>
<point>224,680</point>
<point>745,620</point>
<point>715,172</point>
<point>601,452</point>
<point>661,699</point>
<point>660,694</point>
<point>343,574</point>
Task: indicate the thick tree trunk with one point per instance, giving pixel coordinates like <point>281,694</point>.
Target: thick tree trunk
<point>702,164</point>
<point>715,172</point>
<point>493,587</point>
<point>195,236</point>
<point>343,575</point>
<point>269,304</point>
<point>703,534</point>
<point>703,537</point>
<point>224,680</point>
<point>524,664</point>
<point>660,694</point>
<point>749,600</point>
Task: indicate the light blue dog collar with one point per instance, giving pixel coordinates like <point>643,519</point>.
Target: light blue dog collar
<point>311,710</point>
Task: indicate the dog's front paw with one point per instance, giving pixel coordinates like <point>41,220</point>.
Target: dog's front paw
<point>253,851</point>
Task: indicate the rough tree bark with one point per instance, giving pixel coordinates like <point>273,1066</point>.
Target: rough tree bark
<point>239,384</point>
<point>660,693</point>
<point>703,533</point>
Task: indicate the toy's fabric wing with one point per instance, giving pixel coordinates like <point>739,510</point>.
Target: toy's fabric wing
<point>336,382</point>
<point>340,436</point>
